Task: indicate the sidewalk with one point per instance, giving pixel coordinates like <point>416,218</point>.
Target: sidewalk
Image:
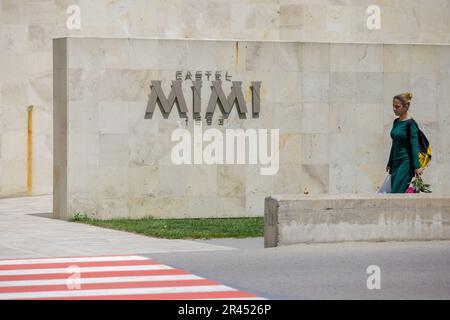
<point>28,231</point>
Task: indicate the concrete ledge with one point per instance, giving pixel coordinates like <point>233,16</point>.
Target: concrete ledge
<point>291,219</point>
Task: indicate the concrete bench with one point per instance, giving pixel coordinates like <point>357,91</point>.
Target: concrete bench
<point>291,219</point>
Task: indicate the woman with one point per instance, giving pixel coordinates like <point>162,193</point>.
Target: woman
<point>404,157</point>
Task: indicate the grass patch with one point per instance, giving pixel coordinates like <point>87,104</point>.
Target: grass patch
<point>183,228</point>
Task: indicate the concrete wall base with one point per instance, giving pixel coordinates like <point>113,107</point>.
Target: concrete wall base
<point>355,217</point>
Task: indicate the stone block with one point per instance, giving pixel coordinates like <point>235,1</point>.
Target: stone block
<point>242,16</point>
<point>287,118</point>
<point>255,183</point>
<point>290,84</point>
<point>442,59</point>
<point>144,54</point>
<point>201,206</point>
<point>287,57</point>
<point>14,118</point>
<point>423,59</point>
<point>343,148</point>
<point>231,180</point>
<point>338,19</point>
<point>368,118</point>
<point>113,117</point>
<point>356,58</point>
<point>113,150</point>
<point>370,148</point>
<point>291,15</point>
<point>290,148</point>
<point>315,178</point>
<point>108,209</point>
<point>83,117</point>
<point>288,180</point>
<point>260,56</point>
<point>228,207</point>
<point>316,57</point>
<point>172,55</point>
<point>315,149</point>
<point>315,118</point>
<point>224,59</point>
<point>423,87</point>
<point>14,94</point>
<point>379,217</point>
<point>254,205</point>
<point>84,181</point>
<point>342,178</point>
<point>369,87</point>
<point>143,181</point>
<point>316,87</point>
<point>343,86</point>
<point>443,94</point>
<point>397,58</point>
<point>167,175</point>
<point>112,182</point>
<point>84,149</point>
<point>342,117</point>
<point>205,187</point>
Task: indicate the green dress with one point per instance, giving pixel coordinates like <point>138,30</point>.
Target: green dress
<point>404,155</point>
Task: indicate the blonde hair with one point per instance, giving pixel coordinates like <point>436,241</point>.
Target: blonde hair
<point>404,98</point>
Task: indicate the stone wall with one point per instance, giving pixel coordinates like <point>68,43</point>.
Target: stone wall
<point>27,28</point>
<point>331,102</point>
<point>335,218</point>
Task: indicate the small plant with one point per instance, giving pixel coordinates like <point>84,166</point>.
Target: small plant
<point>79,216</point>
<point>418,186</point>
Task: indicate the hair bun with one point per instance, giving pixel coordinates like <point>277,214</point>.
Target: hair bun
<point>409,96</point>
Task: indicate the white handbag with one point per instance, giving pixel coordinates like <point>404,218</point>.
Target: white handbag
<point>386,187</point>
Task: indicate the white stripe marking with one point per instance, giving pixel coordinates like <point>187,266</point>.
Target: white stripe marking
<point>72,260</point>
<point>30,283</point>
<point>84,269</point>
<point>113,292</point>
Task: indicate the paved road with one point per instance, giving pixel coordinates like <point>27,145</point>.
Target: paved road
<point>409,270</point>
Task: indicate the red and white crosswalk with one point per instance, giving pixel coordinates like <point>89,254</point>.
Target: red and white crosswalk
<point>126,277</point>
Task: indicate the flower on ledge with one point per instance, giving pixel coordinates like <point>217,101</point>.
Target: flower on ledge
<point>410,190</point>
<point>419,186</point>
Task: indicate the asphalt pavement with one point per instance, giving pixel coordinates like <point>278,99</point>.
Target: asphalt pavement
<point>407,270</point>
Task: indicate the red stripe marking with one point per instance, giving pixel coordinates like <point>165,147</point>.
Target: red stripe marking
<point>113,285</point>
<point>163,296</point>
<point>94,274</point>
<point>78,264</point>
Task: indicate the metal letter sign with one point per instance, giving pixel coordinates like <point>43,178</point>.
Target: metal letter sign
<point>165,105</point>
<point>236,97</point>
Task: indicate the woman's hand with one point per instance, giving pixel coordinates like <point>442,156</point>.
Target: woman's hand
<point>419,171</point>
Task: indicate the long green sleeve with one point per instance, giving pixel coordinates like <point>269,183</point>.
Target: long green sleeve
<point>391,156</point>
<point>415,145</point>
